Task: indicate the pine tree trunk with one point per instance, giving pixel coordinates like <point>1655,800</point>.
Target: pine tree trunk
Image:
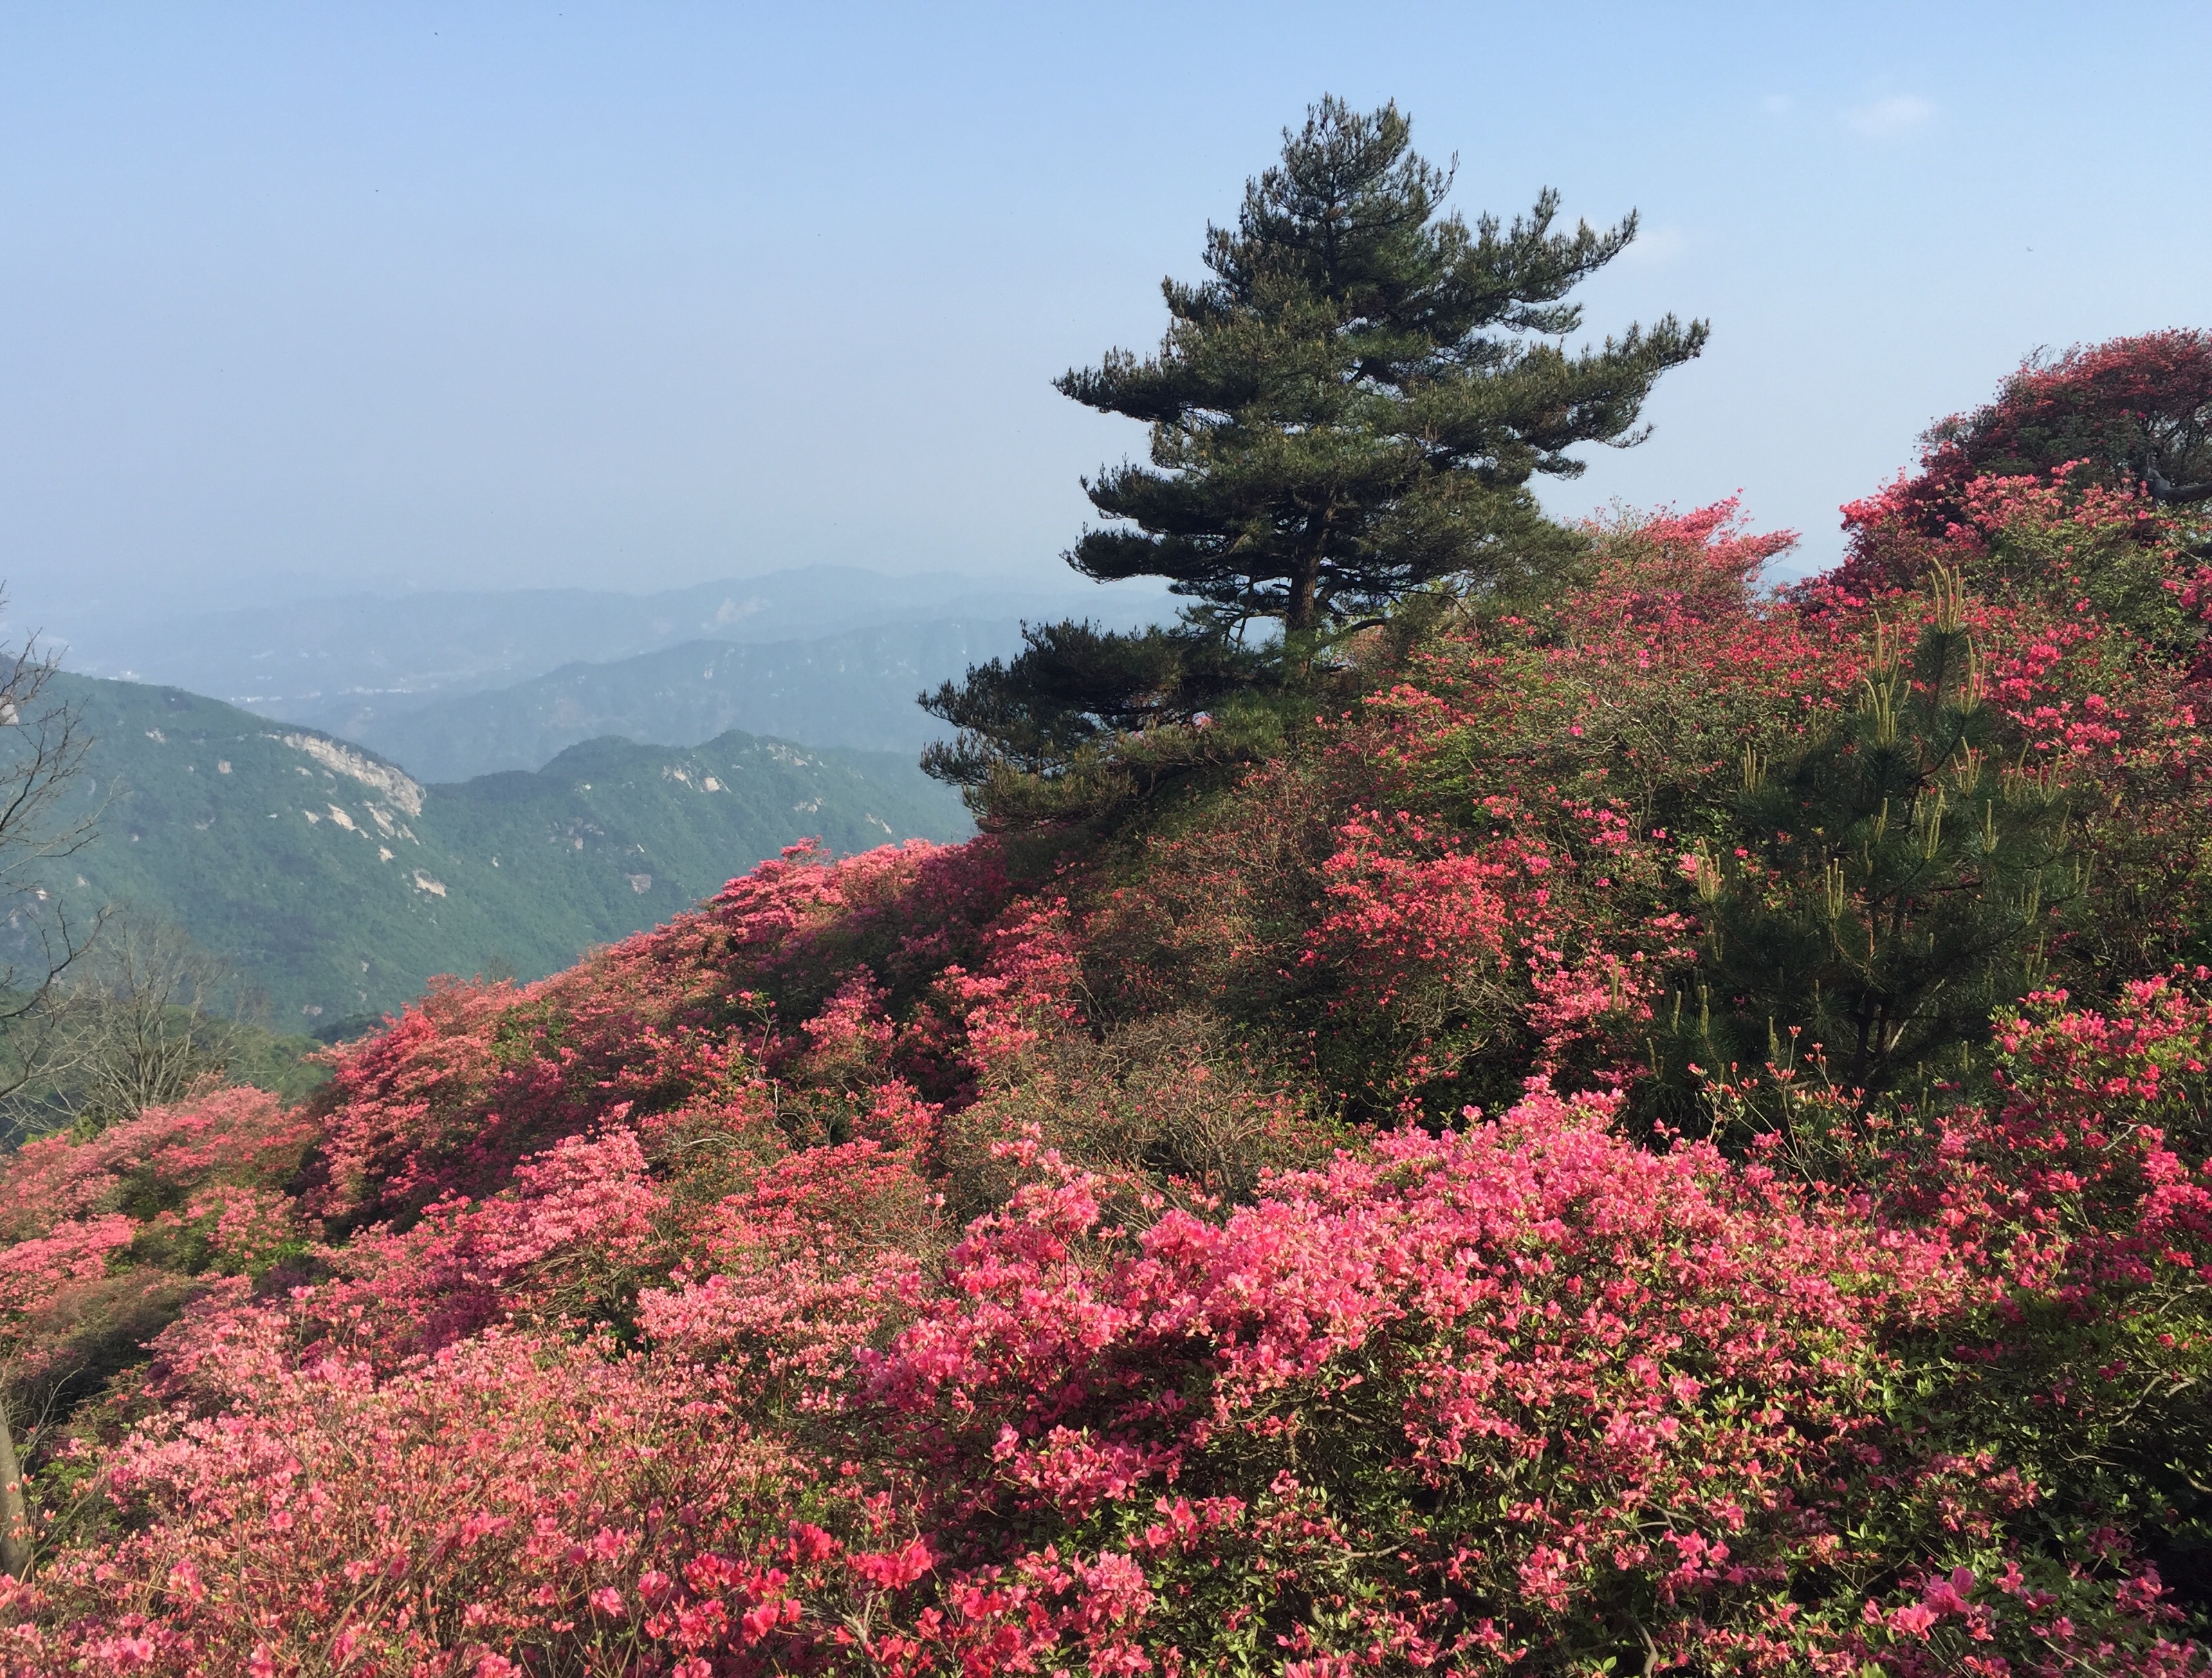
<point>1303,609</point>
<point>14,1515</point>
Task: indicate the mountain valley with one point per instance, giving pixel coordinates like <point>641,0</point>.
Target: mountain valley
<point>352,665</point>
<point>856,690</point>
<point>339,884</point>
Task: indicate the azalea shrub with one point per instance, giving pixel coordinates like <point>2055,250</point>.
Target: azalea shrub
<point>1526,1386</point>
<point>1661,1128</point>
<point>2125,411</point>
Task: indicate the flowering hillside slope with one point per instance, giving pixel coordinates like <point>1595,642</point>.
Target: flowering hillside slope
<point>1665,1130</point>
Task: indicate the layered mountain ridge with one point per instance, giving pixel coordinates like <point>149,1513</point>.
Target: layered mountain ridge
<point>352,665</point>
<point>855,691</point>
<point>340,884</point>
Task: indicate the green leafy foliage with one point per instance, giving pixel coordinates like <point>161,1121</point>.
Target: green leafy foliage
<point>1075,685</point>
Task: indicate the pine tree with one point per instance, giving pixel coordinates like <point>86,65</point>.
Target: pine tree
<point>1890,886</point>
<point>1074,685</point>
<point>1354,403</point>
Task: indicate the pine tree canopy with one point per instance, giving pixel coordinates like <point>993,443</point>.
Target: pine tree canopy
<point>1073,684</point>
<point>1354,403</point>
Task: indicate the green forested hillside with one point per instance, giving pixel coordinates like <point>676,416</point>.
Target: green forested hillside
<point>339,884</point>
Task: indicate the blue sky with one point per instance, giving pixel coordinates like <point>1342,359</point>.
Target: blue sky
<point>323,296</point>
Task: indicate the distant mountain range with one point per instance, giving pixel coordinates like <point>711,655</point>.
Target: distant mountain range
<point>339,884</point>
<point>855,690</point>
<point>352,666</point>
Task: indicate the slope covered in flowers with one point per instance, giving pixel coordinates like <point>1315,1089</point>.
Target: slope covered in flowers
<point>1664,1130</point>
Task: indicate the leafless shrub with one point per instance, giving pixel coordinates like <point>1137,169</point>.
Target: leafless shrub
<point>1166,1100</point>
<point>143,1017</point>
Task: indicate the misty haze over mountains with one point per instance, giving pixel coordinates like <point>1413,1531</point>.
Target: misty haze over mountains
<point>557,767</point>
<point>583,762</point>
<point>854,690</point>
<point>454,684</point>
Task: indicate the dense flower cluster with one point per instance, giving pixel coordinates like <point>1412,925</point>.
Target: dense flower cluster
<point>1391,1210</point>
<point>2122,410</point>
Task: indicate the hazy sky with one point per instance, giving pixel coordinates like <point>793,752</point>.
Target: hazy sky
<point>488,295</point>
